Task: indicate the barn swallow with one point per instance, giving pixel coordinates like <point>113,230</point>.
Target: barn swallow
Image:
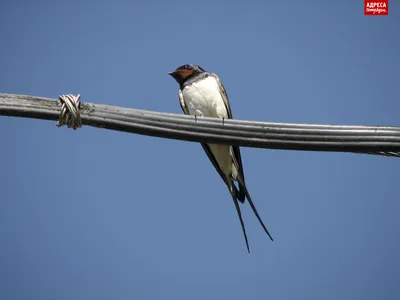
<point>202,94</point>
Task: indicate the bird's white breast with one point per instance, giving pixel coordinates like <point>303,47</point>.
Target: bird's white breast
<point>203,98</point>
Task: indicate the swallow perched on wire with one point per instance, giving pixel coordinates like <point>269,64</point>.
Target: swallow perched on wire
<point>202,94</point>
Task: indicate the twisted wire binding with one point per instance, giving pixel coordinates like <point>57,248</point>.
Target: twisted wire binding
<point>69,114</point>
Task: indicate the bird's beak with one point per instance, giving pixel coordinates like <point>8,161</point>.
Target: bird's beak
<point>174,74</point>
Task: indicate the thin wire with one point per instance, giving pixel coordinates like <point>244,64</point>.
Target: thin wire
<point>377,140</point>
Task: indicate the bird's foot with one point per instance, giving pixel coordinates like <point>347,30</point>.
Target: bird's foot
<point>195,117</point>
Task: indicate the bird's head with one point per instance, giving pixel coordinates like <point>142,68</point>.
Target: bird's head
<point>182,73</point>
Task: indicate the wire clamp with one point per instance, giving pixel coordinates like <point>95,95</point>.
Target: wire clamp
<point>70,115</point>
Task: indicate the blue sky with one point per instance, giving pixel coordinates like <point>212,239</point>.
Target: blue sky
<point>97,214</point>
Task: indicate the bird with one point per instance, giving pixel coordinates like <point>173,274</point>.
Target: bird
<point>202,94</point>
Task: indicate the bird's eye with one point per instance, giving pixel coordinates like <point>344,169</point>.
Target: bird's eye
<point>184,67</point>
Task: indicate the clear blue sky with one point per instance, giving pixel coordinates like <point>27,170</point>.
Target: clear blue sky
<point>97,214</point>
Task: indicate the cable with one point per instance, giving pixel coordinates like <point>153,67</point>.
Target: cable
<point>378,140</point>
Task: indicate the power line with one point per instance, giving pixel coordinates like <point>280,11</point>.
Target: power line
<point>378,140</point>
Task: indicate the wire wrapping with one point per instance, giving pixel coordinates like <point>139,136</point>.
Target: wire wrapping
<point>70,114</point>
<point>378,140</point>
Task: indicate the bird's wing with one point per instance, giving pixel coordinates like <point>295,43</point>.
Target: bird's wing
<point>224,95</point>
<point>237,158</point>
